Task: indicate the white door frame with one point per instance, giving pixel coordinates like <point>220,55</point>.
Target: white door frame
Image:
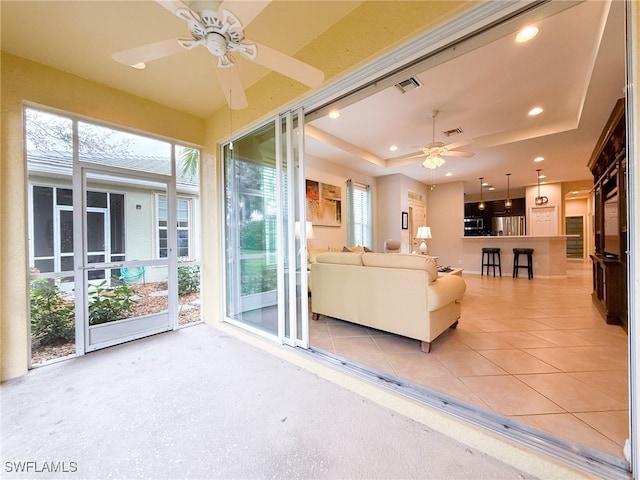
<point>293,320</point>
<point>93,337</point>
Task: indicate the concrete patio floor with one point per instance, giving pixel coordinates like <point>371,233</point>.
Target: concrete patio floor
<point>200,403</point>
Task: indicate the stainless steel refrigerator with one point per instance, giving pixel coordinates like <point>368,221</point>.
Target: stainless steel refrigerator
<point>511,225</point>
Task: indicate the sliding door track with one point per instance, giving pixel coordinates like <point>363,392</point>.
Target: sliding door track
<point>584,458</point>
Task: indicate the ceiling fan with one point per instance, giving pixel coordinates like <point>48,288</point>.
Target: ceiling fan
<point>434,151</point>
<point>214,26</point>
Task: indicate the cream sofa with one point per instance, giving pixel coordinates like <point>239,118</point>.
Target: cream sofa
<point>394,292</point>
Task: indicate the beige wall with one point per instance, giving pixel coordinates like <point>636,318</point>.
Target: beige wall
<point>553,191</point>
<point>446,218</point>
<point>389,199</point>
<point>22,82</point>
<point>575,208</point>
<point>392,199</point>
<point>334,174</point>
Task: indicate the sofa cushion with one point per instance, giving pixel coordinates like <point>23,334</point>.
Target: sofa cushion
<point>341,258</point>
<point>312,254</point>
<point>402,260</point>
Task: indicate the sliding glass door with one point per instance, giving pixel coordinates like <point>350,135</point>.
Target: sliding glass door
<point>264,273</point>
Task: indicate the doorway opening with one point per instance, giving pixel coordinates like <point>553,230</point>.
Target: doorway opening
<point>105,267</point>
<point>548,335</point>
<point>575,241</point>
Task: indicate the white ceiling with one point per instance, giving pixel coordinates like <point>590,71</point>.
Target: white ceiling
<point>573,68</point>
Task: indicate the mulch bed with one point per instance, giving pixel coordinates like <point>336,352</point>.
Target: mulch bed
<point>189,312</point>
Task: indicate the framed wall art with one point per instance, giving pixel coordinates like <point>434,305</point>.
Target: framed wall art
<point>324,204</point>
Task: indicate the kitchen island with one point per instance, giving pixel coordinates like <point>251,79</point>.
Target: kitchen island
<point>549,255</point>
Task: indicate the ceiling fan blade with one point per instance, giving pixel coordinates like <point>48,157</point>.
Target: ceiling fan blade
<point>402,160</point>
<point>172,5</point>
<point>245,11</point>
<point>457,153</point>
<point>289,66</point>
<point>148,53</point>
<point>232,87</point>
<point>463,143</point>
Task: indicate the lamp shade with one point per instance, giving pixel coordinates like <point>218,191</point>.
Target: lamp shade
<point>308,228</point>
<point>423,232</point>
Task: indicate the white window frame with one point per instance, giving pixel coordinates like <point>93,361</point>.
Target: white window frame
<point>192,254</point>
<point>359,206</point>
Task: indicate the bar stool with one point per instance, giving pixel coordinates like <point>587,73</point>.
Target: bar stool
<point>491,253</point>
<point>516,265</point>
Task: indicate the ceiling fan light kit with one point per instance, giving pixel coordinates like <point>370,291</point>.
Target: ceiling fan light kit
<point>434,151</point>
<point>433,162</point>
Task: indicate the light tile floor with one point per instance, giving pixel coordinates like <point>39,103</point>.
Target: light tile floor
<point>534,350</point>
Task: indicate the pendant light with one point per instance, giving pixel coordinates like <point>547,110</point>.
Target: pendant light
<point>540,200</point>
<point>507,202</point>
<point>481,204</point>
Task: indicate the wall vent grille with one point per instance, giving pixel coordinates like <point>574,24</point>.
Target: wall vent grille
<point>454,131</point>
<point>408,85</point>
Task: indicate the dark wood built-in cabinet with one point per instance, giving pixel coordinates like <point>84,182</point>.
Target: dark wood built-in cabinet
<point>608,164</point>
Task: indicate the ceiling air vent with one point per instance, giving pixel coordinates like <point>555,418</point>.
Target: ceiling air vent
<point>455,131</point>
<point>408,85</point>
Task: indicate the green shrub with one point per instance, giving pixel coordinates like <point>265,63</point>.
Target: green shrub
<point>52,318</point>
<point>188,279</point>
<point>109,304</point>
<point>252,236</point>
<point>258,282</point>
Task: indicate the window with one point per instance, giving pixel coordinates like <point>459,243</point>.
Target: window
<point>184,234</point>
<point>359,214</point>
<point>52,215</point>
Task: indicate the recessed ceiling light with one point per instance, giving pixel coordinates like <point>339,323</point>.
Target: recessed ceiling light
<point>542,176</point>
<point>535,111</point>
<point>538,159</point>
<point>485,184</point>
<point>527,33</point>
<point>448,174</point>
<point>492,188</point>
<point>575,192</point>
<point>393,148</point>
<point>139,66</point>
<point>334,114</point>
